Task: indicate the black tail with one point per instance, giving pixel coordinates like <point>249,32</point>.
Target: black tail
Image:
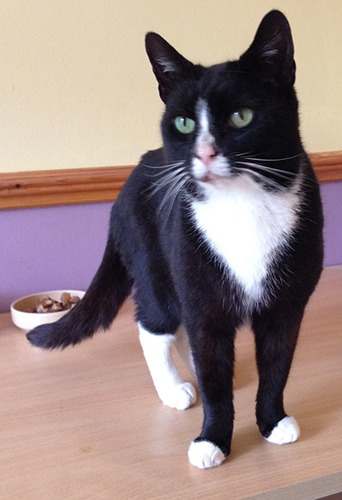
<point>108,290</point>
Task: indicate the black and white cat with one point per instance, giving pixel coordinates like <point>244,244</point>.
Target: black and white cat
<point>220,227</point>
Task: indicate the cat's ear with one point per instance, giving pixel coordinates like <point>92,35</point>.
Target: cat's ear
<point>168,65</point>
<point>271,54</point>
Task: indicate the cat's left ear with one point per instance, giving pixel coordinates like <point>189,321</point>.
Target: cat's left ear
<point>271,54</point>
<point>168,65</point>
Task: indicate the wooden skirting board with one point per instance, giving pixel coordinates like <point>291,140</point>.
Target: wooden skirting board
<point>98,184</point>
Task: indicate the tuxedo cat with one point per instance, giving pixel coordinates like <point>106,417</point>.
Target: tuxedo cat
<point>220,227</point>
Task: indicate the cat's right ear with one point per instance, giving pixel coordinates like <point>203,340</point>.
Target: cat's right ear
<point>271,54</point>
<point>168,65</point>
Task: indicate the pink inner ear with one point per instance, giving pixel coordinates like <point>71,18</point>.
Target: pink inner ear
<point>206,152</point>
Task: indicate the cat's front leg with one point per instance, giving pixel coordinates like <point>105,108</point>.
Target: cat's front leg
<point>213,350</point>
<point>169,385</point>
<point>276,335</point>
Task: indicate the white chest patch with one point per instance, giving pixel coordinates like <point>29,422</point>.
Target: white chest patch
<point>246,226</point>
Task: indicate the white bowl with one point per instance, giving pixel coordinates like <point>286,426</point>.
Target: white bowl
<point>21,309</point>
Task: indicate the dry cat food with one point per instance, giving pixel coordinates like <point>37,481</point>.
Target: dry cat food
<point>46,304</point>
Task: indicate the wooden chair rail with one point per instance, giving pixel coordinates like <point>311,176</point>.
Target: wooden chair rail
<point>98,184</point>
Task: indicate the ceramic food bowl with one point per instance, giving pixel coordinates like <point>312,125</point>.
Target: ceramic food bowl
<point>22,310</point>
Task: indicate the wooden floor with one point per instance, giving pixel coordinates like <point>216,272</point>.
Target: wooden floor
<point>85,423</point>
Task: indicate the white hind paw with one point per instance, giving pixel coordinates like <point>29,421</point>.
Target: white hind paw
<point>286,431</point>
<point>181,396</point>
<point>204,454</point>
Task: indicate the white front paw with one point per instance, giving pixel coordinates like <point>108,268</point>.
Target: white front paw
<point>204,454</point>
<point>286,431</point>
<point>181,396</point>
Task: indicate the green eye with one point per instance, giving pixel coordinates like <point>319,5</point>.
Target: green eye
<point>241,117</point>
<point>184,125</point>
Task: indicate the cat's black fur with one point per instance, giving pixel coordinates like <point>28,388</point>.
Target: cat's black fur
<point>155,248</point>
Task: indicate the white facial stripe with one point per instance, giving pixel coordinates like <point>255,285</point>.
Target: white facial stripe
<point>204,123</point>
<point>219,166</point>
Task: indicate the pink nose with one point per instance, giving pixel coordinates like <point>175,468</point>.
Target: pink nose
<point>206,152</point>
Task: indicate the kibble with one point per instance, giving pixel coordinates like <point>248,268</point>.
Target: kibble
<point>47,304</point>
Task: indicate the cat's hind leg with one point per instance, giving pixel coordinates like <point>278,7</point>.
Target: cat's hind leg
<point>169,385</point>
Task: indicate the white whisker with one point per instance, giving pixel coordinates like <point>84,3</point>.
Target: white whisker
<point>168,171</point>
<point>171,178</point>
<point>274,159</point>
<point>164,181</point>
<point>275,171</point>
<point>264,179</point>
<point>161,171</point>
<point>169,192</point>
<point>242,154</point>
<point>168,165</point>
<point>171,196</point>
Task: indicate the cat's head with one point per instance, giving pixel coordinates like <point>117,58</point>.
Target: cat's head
<point>235,118</point>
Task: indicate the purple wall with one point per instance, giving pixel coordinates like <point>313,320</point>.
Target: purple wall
<point>61,247</point>
<point>332,206</point>
<point>50,248</point>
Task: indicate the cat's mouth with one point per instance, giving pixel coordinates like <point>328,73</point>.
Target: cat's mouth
<point>212,173</point>
<point>211,178</point>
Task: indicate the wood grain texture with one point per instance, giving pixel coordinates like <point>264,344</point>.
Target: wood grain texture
<point>86,422</point>
<point>62,187</point>
<point>328,166</point>
<point>98,184</point>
